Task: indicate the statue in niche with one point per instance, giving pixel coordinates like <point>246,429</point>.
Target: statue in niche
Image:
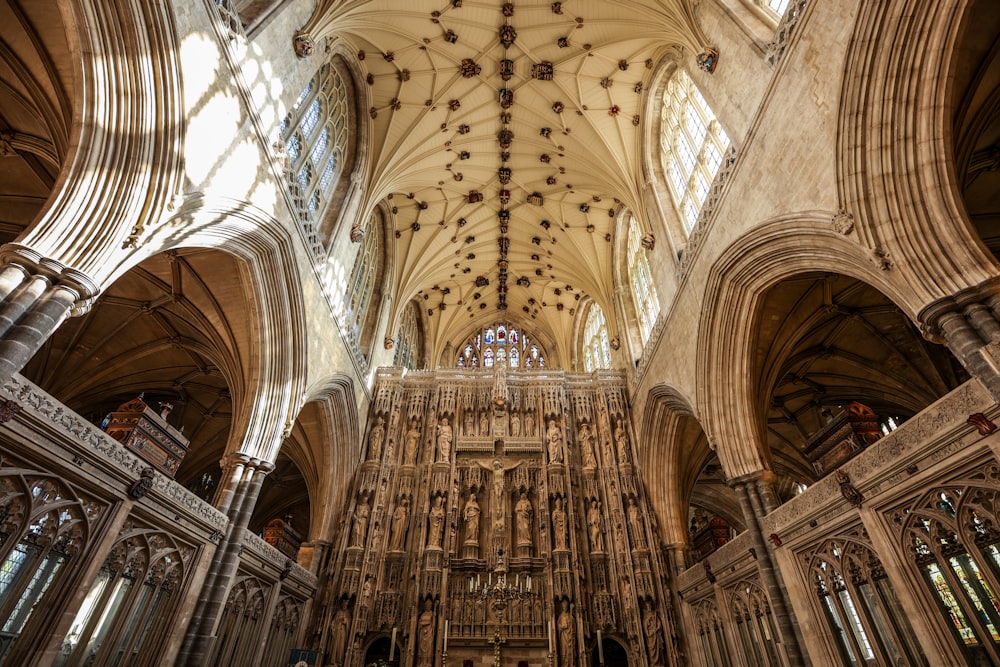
<point>554,438</point>
<point>515,425</point>
<point>398,533</point>
<point>470,424</point>
<point>425,636</point>
<point>341,627</point>
<point>621,441</point>
<point>566,627</point>
<point>375,440</point>
<point>594,527</point>
<point>525,513</point>
<point>529,424</point>
<point>444,439</point>
<point>412,439</point>
<point>361,515</point>
<point>635,524</point>
<point>436,523</point>
<point>654,639</point>
<point>484,423</point>
<point>586,438</point>
<point>559,526</point>
<point>470,514</point>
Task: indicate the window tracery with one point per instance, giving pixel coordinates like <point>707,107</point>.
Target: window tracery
<point>647,304</point>
<point>361,284</point>
<point>693,144</point>
<point>315,133</point>
<point>408,341</point>
<point>500,343</point>
<point>596,345</point>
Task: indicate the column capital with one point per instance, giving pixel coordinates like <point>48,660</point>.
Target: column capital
<point>752,478</point>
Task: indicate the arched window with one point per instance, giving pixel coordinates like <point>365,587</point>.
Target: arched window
<point>315,133</point>
<point>500,343</point>
<point>361,285</point>
<point>647,303</point>
<point>596,347</point>
<point>408,340</point>
<point>693,144</point>
<point>777,6</point>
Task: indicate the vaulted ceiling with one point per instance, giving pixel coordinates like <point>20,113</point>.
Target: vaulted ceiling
<point>461,92</point>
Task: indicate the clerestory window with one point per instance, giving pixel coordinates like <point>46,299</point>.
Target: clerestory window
<point>596,346</point>
<point>647,303</point>
<point>693,144</point>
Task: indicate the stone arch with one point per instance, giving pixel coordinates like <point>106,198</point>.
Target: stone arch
<point>895,161</point>
<point>277,370</point>
<point>122,140</point>
<point>737,282</point>
<point>326,442</point>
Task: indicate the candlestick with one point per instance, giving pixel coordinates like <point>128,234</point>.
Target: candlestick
<point>600,647</point>
<point>552,639</point>
<point>392,645</point>
<point>446,636</point>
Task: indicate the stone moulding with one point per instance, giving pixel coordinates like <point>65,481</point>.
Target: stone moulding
<point>931,435</point>
<point>272,556</point>
<point>37,404</point>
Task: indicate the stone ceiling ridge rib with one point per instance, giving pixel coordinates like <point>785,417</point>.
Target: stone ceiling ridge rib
<point>506,138</point>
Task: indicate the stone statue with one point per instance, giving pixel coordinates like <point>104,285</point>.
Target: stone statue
<point>515,425</point>
<point>341,629</point>
<point>566,627</point>
<point>436,523</point>
<point>471,516</point>
<point>635,524</point>
<point>398,533</point>
<point>554,438</point>
<point>621,441</point>
<point>444,439</point>
<point>559,525</point>
<point>361,515</point>
<point>484,424</point>
<point>375,440</point>
<point>586,438</point>
<point>524,513</point>
<point>470,424</point>
<point>654,640</point>
<point>412,439</point>
<point>529,425</point>
<point>425,636</point>
<point>594,527</point>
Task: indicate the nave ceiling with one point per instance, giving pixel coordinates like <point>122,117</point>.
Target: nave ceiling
<point>437,80</point>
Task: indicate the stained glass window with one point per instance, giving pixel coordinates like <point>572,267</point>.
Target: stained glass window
<point>692,143</point>
<point>501,343</point>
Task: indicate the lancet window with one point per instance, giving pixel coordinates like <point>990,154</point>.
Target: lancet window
<point>131,602</point>
<point>361,285</point>
<point>953,536</point>
<point>500,343</point>
<point>860,605</point>
<point>44,526</point>
<point>754,625</point>
<point>647,304</point>
<point>315,133</point>
<point>596,346</point>
<point>693,144</point>
<point>408,341</point>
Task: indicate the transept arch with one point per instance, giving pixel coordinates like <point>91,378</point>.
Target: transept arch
<point>738,280</point>
<point>895,159</point>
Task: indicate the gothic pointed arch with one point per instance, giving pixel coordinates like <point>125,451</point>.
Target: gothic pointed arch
<point>895,157</point>
<point>737,284</point>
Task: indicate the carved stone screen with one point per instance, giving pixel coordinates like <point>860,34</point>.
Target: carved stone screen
<point>472,478</point>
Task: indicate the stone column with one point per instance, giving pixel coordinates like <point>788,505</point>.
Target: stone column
<point>969,324</point>
<point>36,296</point>
<point>752,507</point>
<point>243,477</point>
